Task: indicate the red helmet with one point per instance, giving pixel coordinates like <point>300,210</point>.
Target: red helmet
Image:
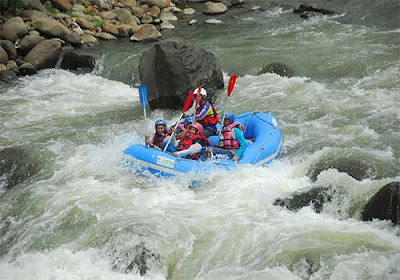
<point>198,127</point>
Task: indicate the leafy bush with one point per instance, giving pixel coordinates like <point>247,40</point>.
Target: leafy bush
<point>12,7</point>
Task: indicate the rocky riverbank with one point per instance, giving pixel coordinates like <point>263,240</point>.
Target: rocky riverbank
<point>34,39</point>
<point>35,33</point>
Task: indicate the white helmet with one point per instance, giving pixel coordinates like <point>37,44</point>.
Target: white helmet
<point>203,92</point>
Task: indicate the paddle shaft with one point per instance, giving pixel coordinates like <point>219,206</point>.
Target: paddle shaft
<point>198,96</point>
<point>173,134</point>
<point>185,107</point>
<point>223,117</point>
<point>231,85</point>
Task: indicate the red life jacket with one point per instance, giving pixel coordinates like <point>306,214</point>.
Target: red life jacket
<point>158,139</point>
<point>229,142</point>
<point>188,140</point>
<point>208,119</point>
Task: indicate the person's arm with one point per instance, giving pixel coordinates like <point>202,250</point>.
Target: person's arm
<point>193,149</point>
<point>242,142</point>
<point>181,133</point>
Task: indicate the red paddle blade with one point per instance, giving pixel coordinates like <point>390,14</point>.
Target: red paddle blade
<point>231,84</point>
<point>187,102</point>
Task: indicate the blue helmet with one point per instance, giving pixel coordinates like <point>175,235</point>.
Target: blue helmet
<point>164,123</point>
<point>230,116</point>
<point>187,120</point>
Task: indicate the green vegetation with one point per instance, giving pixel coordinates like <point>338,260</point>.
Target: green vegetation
<point>91,13</point>
<point>52,11</point>
<point>97,22</point>
<point>12,7</point>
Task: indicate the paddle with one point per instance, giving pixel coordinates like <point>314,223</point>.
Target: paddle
<point>143,101</point>
<point>197,103</point>
<point>185,107</point>
<point>231,84</point>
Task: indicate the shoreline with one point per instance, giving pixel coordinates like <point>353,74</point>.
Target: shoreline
<point>34,39</point>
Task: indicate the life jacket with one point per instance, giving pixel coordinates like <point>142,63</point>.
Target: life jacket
<point>158,139</point>
<point>208,119</point>
<point>229,142</point>
<point>188,140</point>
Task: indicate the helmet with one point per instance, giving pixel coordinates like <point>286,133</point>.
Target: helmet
<point>198,127</point>
<point>203,92</point>
<point>230,116</point>
<point>163,123</point>
<point>187,120</point>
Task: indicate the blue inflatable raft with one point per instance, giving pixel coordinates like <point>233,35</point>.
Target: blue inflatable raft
<point>261,130</point>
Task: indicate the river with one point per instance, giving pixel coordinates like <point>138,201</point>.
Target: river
<point>85,215</point>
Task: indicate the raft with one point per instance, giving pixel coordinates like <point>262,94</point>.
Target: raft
<point>261,131</point>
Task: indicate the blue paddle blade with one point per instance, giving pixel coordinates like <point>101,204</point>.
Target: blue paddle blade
<point>143,95</point>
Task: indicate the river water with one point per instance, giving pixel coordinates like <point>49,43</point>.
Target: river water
<point>86,216</point>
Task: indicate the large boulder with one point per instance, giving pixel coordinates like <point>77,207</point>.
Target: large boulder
<point>51,27</point>
<point>63,5</point>
<point>27,69</point>
<point>44,54</point>
<point>3,56</point>
<point>9,47</point>
<point>7,76</point>
<point>277,68</point>
<point>8,34</point>
<point>37,5</point>
<point>384,205</point>
<point>16,165</point>
<point>78,62</point>
<point>308,8</point>
<point>356,168</point>
<point>173,67</point>
<point>18,25</point>
<point>212,8</point>
<point>147,32</point>
<point>29,42</point>
<point>315,197</point>
<point>74,39</point>
<point>160,3</point>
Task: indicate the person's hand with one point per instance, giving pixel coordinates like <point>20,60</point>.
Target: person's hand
<point>148,141</point>
<point>175,154</point>
<point>235,159</point>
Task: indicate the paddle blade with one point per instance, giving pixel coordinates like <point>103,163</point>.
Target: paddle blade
<point>143,95</point>
<point>231,84</point>
<point>187,102</point>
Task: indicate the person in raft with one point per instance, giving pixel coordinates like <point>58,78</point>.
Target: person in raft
<point>192,142</point>
<point>232,144</point>
<point>206,114</point>
<point>161,136</point>
<point>183,128</point>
